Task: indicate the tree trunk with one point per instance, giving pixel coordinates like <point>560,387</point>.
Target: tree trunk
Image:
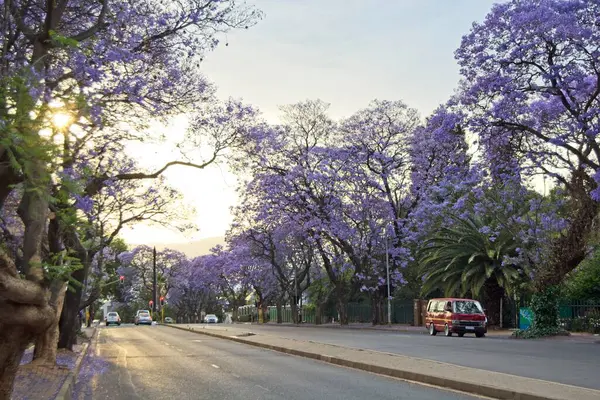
<point>13,342</point>
<point>493,295</point>
<point>279,306</point>
<point>342,309</point>
<point>68,319</point>
<point>46,342</point>
<point>318,314</point>
<point>571,247</point>
<point>294,308</point>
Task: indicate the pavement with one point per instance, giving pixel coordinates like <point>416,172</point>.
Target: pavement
<point>571,361</point>
<point>157,362</point>
<point>43,383</point>
<point>471,380</point>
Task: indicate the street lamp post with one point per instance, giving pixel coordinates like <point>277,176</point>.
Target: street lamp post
<point>387,268</point>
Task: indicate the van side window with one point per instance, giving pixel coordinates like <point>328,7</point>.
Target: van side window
<point>439,306</point>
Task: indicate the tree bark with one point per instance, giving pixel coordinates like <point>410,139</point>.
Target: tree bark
<point>13,342</point>
<point>68,319</point>
<point>493,294</point>
<point>45,343</point>
<point>24,312</point>
<point>572,247</point>
<point>294,309</point>
<point>342,309</point>
<point>279,306</point>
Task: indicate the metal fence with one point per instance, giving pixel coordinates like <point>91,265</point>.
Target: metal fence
<point>402,313</point>
<point>575,316</point>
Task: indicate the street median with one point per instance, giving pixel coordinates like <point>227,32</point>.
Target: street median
<point>469,380</point>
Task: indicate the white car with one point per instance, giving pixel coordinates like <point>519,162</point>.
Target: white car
<point>143,317</point>
<point>113,318</point>
<point>211,319</point>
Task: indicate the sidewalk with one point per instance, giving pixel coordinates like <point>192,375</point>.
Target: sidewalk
<point>42,383</point>
<point>501,333</point>
<point>470,380</point>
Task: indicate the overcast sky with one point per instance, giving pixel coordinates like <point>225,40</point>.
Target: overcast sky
<point>345,52</point>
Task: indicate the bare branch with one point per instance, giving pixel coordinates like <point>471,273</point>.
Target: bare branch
<point>100,24</point>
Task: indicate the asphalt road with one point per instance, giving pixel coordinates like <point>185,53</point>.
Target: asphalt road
<point>156,362</point>
<point>557,360</point>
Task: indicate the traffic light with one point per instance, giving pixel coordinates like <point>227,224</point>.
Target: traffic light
<point>150,303</point>
<point>121,279</point>
<point>162,301</point>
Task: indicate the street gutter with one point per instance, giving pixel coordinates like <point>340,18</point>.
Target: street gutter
<point>490,384</point>
<point>66,390</point>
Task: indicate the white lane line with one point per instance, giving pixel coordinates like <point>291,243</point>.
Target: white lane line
<point>236,376</point>
<point>215,366</point>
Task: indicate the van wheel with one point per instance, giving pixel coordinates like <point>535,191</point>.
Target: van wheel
<point>447,330</point>
<point>432,330</point>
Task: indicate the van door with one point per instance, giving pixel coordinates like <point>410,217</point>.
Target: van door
<point>439,315</point>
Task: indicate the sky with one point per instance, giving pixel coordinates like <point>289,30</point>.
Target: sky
<point>344,52</point>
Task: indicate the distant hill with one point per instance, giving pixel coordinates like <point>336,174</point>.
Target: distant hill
<point>195,248</point>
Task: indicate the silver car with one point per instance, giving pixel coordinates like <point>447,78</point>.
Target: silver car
<point>211,319</point>
<point>143,317</point>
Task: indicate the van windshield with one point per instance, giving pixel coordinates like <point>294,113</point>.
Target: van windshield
<point>467,307</point>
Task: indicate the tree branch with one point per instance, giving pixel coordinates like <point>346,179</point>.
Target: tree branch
<point>98,183</point>
<point>100,24</point>
<point>18,290</point>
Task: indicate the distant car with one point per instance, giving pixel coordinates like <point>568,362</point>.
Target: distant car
<point>211,319</point>
<point>143,317</point>
<point>169,320</point>
<point>113,318</point>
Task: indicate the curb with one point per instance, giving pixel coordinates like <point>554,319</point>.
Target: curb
<point>66,390</point>
<point>367,328</point>
<point>405,374</point>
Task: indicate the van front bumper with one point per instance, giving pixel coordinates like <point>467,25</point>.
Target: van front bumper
<point>468,329</point>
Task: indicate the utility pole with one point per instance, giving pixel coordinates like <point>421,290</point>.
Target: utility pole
<point>154,280</point>
<point>387,267</point>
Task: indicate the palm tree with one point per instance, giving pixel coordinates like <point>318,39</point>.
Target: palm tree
<point>465,258</point>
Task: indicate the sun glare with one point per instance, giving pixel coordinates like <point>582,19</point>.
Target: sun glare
<point>61,120</point>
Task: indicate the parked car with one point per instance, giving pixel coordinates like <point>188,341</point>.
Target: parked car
<point>143,317</point>
<point>211,319</point>
<point>458,316</point>
<point>113,318</point>
<point>169,320</point>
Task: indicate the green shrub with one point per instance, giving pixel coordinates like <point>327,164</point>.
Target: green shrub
<point>546,319</point>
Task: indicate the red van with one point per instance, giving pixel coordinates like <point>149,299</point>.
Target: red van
<point>458,316</point>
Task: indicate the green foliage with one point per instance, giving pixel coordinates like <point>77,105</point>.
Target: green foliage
<point>584,282</point>
<point>62,41</point>
<point>460,259</point>
<point>546,318</point>
<point>61,266</point>
<point>589,323</point>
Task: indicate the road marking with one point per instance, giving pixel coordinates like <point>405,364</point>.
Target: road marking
<point>236,376</point>
<point>196,340</point>
<point>166,344</point>
<point>215,366</point>
<point>263,388</point>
